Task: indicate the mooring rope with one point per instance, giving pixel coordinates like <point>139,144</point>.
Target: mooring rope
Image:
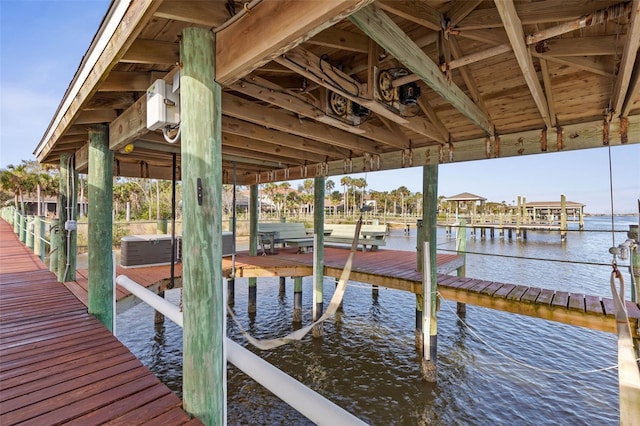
<point>522,363</point>
<point>336,299</point>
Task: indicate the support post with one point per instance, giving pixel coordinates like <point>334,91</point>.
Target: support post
<point>100,196</point>
<point>30,231</point>
<point>231,291</point>
<point>429,227</point>
<point>318,252</point>
<point>253,245</point>
<point>41,247</point>
<point>563,217</point>
<point>23,227</point>
<point>204,363</point>
<point>53,240</point>
<point>67,213</point>
<point>283,288</point>
<point>461,249</point>
<point>297,299</point>
<point>16,221</point>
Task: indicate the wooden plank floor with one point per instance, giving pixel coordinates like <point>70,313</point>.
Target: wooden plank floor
<point>396,270</point>
<point>58,364</point>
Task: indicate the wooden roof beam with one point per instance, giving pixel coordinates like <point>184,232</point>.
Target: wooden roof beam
<point>235,126</point>
<point>152,52</point>
<point>413,11</point>
<point>629,54</point>
<point>387,34</point>
<point>266,91</point>
<point>194,12</point>
<point>540,12</point>
<point>237,107</point>
<point>310,66</point>
<point>469,81</point>
<point>341,39</point>
<point>285,153</point>
<point>95,116</point>
<point>593,64</point>
<point>634,89</point>
<point>513,26</point>
<point>583,136</point>
<point>272,28</point>
<point>460,10</point>
<point>250,156</point>
<point>546,78</point>
<point>123,81</point>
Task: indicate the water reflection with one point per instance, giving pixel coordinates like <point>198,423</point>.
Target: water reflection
<point>367,363</point>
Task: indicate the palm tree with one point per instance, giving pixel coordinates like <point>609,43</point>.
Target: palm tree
<point>13,180</point>
<point>404,193</point>
<point>345,181</point>
<point>360,183</point>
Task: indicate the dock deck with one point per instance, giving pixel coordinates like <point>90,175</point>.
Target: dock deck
<point>396,269</point>
<point>58,363</point>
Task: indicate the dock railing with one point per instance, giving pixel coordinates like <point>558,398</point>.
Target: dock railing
<point>310,404</point>
<point>31,230</point>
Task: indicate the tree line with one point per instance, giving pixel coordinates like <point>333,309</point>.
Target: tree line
<point>148,199</point>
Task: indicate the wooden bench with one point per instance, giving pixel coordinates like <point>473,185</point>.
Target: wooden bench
<point>370,235</point>
<point>292,234</point>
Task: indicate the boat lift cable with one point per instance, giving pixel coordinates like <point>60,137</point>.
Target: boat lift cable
<point>478,336</point>
<point>576,262</point>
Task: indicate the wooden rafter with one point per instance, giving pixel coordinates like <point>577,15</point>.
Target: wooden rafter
<point>634,89</point>
<point>546,78</point>
<point>194,12</point>
<point>257,132</point>
<point>469,81</point>
<point>629,54</point>
<point>318,71</point>
<point>593,64</point>
<point>541,12</point>
<point>460,10</point>
<point>240,108</point>
<point>122,81</point>
<point>429,112</point>
<point>340,39</point>
<point>152,52</point>
<point>513,26</point>
<point>252,41</point>
<point>387,34</point>
<point>413,11</point>
<point>584,135</point>
<point>266,91</point>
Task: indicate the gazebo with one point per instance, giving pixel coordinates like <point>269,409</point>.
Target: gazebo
<point>467,199</point>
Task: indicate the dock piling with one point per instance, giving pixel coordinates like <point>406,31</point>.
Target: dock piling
<point>297,299</point>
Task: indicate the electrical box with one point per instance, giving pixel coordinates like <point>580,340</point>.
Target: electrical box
<point>163,106</point>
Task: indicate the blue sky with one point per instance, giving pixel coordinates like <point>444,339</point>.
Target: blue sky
<point>42,44</point>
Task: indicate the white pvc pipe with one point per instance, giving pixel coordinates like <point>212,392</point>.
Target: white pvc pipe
<point>310,404</point>
<point>163,306</point>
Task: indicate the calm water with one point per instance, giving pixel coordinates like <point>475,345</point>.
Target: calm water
<point>366,361</point>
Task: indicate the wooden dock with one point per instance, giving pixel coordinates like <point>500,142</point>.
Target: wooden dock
<point>58,364</point>
<point>396,270</point>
